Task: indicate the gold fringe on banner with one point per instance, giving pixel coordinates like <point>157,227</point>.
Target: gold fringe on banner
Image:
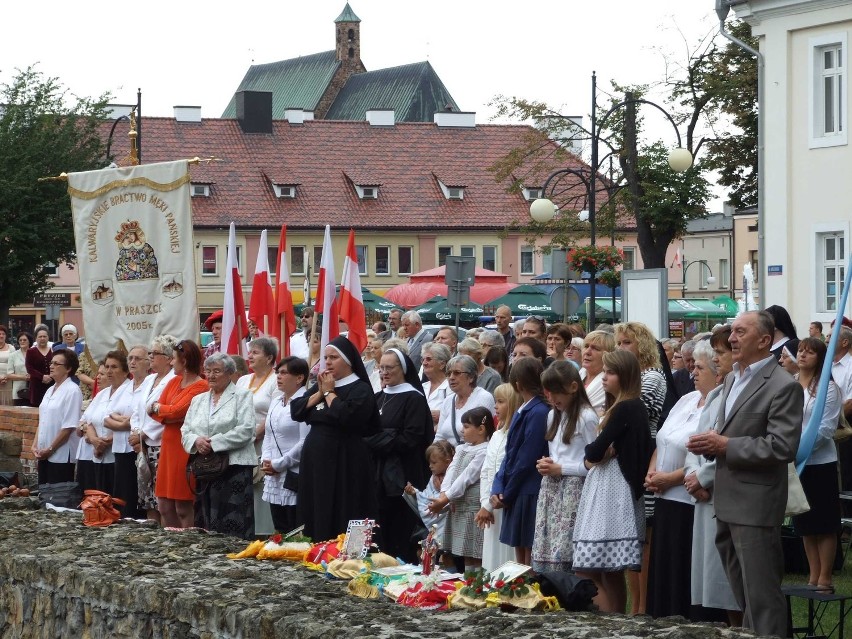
<point>137,181</point>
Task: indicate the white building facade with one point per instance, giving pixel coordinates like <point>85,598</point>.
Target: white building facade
<point>807,159</point>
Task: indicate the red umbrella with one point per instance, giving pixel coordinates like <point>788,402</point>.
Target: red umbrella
<point>428,284</point>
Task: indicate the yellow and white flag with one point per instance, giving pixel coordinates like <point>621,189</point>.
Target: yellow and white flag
<point>135,254</point>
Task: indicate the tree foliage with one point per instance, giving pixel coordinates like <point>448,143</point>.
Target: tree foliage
<point>714,90</point>
<point>44,131</point>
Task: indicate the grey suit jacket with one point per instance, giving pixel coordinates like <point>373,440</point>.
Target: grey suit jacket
<point>764,426</point>
<point>414,348</point>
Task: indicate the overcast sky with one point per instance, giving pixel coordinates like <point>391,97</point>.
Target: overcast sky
<point>196,53</point>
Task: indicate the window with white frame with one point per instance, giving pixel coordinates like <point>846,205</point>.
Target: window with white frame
<point>209,260</point>
<point>404,259</point>
<point>317,260</point>
<point>547,263</point>
<point>361,251</point>
<point>468,251</point>
<point>272,258</point>
<point>240,260</point>
<point>51,270</point>
<point>703,274</point>
<point>827,90</point>
<point>527,261</point>
<point>383,260</point>
<point>831,270</point>
<point>297,260</point>
<point>489,258</point>
<point>629,258</point>
<point>724,274</point>
<point>443,253</point>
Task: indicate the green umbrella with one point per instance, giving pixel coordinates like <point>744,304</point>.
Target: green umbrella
<point>526,300</point>
<point>372,303</point>
<point>437,310</point>
<point>728,304</point>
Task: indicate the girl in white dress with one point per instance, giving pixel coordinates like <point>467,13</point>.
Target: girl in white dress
<point>494,552</point>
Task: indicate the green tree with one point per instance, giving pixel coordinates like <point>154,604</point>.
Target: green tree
<point>44,131</point>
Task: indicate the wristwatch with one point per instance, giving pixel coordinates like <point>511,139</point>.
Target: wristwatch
<point>327,393</point>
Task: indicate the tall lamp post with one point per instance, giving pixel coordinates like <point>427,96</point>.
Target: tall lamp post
<point>686,265</point>
<point>543,209</point>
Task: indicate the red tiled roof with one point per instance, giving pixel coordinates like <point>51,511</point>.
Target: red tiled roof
<point>319,155</point>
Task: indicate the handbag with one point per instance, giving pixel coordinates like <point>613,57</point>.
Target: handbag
<point>143,469</point>
<point>291,481</point>
<point>797,503</point>
<point>99,508</point>
<point>844,430</point>
<point>208,467</point>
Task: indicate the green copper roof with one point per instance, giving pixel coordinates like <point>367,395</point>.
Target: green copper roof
<point>413,91</point>
<point>347,15</point>
<point>295,83</point>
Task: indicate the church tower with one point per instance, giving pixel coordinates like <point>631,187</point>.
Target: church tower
<point>347,28</point>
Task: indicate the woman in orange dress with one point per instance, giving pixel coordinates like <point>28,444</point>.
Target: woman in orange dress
<point>174,492</point>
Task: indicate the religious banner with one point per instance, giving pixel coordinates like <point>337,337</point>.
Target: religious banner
<point>135,254</point>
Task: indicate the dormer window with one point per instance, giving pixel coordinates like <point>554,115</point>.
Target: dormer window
<point>367,192</point>
<point>285,191</point>
<point>452,192</point>
<point>531,193</point>
<point>199,190</point>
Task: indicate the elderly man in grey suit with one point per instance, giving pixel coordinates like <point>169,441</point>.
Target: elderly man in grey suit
<point>417,336</point>
<point>759,425</point>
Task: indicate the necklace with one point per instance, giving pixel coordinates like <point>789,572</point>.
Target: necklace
<point>254,388</point>
<point>385,400</point>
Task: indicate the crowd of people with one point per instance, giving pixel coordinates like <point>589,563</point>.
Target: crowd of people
<point>657,467</point>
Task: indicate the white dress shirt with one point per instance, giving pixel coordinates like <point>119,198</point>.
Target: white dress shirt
<point>60,410</point>
<point>479,397</point>
<point>571,455</point>
<point>671,442</point>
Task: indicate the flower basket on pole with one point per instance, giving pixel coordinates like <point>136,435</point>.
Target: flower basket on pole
<point>594,259</point>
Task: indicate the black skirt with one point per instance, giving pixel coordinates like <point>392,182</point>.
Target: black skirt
<point>819,481</point>
<point>125,485</point>
<point>227,502</point>
<point>669,575</point>
<point>86,475</point>
<point>54,473</point>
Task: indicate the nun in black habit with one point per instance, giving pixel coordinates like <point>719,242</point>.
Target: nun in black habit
<point>336,478</point>
<point>399,451</point>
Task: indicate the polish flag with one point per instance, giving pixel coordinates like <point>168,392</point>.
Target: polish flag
<point>285,323</point>
<point>262,303</point>
<point>351,299</point>
<point>677,261</point>
<point>326,297</point>
<point>234,309</point>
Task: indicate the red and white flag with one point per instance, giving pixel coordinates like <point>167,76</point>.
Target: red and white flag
<point>677,261</point>
<point>351,298</point>
<point>327,298</point>
<point>262,302</point>
<point>285,324</point>
<point>234,308</point>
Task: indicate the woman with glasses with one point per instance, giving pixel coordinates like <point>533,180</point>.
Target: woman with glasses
<point>436,387</point>
<point>54,442</point>
<point>336,478</point>
<point>399,451</point>
<point>146,431</point>
<point>174,492</point>
<point>222,420</point>
<point>461,372</point>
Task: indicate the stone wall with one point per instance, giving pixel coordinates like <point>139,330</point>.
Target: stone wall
<point>21,422</point>
<point>61,579</point>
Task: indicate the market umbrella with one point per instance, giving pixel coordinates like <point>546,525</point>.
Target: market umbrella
<point>437,310</point>
<point>525,300</point>
<point>372,303</point>
<point>728,304</point>
<point>427,284</point>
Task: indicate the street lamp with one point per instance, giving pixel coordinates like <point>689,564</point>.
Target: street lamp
<point>686,265</point>
<point>543,209</point>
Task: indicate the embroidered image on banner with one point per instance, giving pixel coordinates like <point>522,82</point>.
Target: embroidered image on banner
<point>135,254</point>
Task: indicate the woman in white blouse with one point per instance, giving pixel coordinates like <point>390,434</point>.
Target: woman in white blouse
<point>125,485</point>
<point>282,445</point>
<point>110,399</point>
<point>818,526</point>
<point>262,355</point>
<point>55,440</point>
<point>669,577</point>
<point>595,345</point>
<point>436,387</point>
<point>146,431</point>
<point>465,396</point>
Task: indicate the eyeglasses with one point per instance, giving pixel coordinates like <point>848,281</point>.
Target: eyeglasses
<point>451,373</point>
<point>387,369</point>
<point>55,363</point>
<point>214,372</point>
<point>155,353</point>
<point>135,358</point>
